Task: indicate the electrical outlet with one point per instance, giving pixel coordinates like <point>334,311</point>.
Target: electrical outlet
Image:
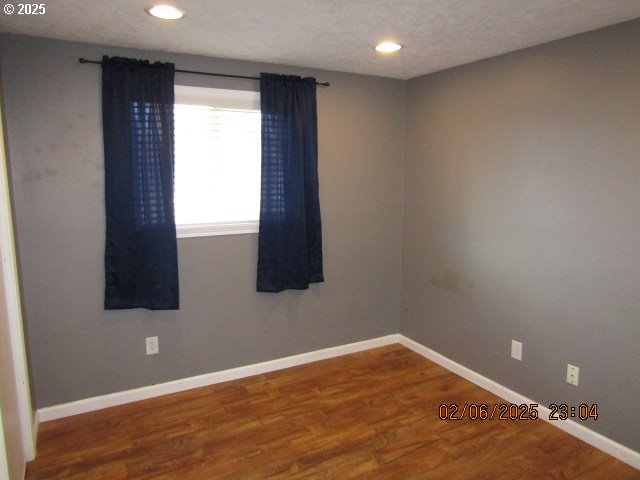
<point>572,374</point>
<point>152,345</point>
<point>516,350</point>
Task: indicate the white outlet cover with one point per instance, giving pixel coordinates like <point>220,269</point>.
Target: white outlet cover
<point>516,350</point>
<point>152,345</point>
<point>573,373</point>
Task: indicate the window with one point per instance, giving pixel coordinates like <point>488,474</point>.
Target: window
<point>217,161</point>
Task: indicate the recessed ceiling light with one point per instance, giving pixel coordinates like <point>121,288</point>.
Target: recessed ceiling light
<point>166,12</point>
<point>388,47</point>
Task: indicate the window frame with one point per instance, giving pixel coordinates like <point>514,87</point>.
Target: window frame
<point>216,228</point>
<point>186,230</point>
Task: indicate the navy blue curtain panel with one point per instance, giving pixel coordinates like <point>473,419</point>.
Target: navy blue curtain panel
<point>141,261</point>
<point>290,238</point>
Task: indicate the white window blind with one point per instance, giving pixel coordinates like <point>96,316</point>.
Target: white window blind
<point>217,161</point>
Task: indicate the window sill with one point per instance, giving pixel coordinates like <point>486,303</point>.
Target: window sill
<point>214,229</point>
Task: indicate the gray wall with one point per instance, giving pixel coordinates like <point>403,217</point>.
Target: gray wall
<point>522,220</point>
<point>77,350</point>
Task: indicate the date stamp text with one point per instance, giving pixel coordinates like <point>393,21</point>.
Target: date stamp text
<point>513,411</point>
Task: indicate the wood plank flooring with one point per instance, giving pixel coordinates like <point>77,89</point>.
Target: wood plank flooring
<point>368,415</point>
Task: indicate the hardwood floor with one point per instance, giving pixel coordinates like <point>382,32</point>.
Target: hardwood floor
<point>371,414</point>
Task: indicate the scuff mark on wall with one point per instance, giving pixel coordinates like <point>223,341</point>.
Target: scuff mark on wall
<point>453,282</point>
<point>36,174</point>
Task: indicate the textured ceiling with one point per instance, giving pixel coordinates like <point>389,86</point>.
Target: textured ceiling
<point>329,34</point>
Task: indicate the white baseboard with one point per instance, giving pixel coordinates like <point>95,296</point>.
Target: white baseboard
<point>128,396</point>
<point>599,441</point>
<point>585,434</point>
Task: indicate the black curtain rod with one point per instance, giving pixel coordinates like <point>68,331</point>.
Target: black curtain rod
<point>84,60</point>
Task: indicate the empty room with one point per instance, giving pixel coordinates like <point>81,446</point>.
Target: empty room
<point>320,239</point>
